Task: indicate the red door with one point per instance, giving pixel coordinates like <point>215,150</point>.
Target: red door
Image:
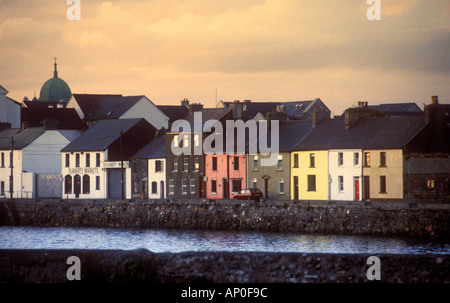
<point>357,189</point>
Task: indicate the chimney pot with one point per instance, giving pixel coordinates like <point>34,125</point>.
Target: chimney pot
<point>434,100</point>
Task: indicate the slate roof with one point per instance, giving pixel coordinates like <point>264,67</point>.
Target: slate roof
<point>101,134</point>
<point>174,112</point>
<point>22,137</point>
<point>290,134</point>
<point>218,114</point>
<point>366,133</point>
<point>294,109</point>
<point>397,108</point>
<point>112,107</point>
<point>86,101</point>
<point>154,150</point>
<point>67,117</point>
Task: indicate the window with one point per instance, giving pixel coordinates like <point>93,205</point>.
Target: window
<point>88,160</point>
<point>185,141</point>
<point>295,160</point>
<point>2,188</point>
<point>213,186</point>
<point>281,186</point>
<point>154,187</point>
<point>175,141</point>
<point>196,164</point>
<point>214,163</point>
<point>383,159</point>
<point>340,159</point>
<point>236,163</point>
<point>383,184</point>
<point>171,187</point>
<point>236,185</point>
<point>341,183</point>
<point>158,166</point>
<point>10,159</point>
<point>97,159</point>
<point>77,160</point>
<point>355,159</point>
<point>280,163</point>
<point>311,182</point>
<point>67,160</point>
<point>86,184</point>
<point>184,187</point>
<point>366,159</point>
<point>312,160</point>
<point>255,183</point>
<point>192,185</point>
<point>175,164</point>
<point>186,164</point>
<point>68,184</point>
<point>255,163</point>
<point>196,140</point>
<point>97,182</point>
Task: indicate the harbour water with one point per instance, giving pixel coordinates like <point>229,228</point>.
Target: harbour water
<point>175,241</point>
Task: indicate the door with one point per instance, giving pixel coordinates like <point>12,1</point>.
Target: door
<point>115,184</point>
<point>225,189</point>
<point>266,188</point>
<point>161,190</point>
<point>77,186</point>
<point>366,184</point>
<point>356,189</point>
<point>295,187</point>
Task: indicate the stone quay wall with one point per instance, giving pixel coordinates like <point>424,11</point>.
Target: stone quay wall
<point>382,218</point>
<point>116,266</point>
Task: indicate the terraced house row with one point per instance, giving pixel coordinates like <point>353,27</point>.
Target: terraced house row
<point>101,146</point>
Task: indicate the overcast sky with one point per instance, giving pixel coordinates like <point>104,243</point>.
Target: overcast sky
<point>263,50</point>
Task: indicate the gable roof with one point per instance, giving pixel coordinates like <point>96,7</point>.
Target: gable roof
<point>86,101</point>
<point>22,137</point>
<point>67,118</point>
<point>174,112</point>
<point>293,109</point>
<point>208,114</point>
<point>289,135</point>
<point>112,107</point>
<point>397,108</point>
<point>102,134</point>
<point>366,133</point>
<point>154,150</point>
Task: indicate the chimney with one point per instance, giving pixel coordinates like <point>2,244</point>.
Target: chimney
<point>195,107</point>
<point>434,100</point>
<point>185,102</point>
<point>352,115</point>
<point>160,132</point>
<point>437,119</point>
<point>318,115</point>
<point>237,109</point>
<point>50,124</point>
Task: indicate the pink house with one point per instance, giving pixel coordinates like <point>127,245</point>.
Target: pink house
<point>225,175</point>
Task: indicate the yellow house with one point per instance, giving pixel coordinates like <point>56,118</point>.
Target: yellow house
<point>383,174</point>
<point>309,173</point>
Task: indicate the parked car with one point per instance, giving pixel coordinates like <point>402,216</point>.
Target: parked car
<point>249,194</point>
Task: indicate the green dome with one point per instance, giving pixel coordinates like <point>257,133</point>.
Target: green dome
<point>55,89</point>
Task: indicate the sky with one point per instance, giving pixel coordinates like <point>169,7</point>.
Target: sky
<point>211,50</point>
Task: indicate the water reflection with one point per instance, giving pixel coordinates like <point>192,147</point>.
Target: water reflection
<point>160,240</point>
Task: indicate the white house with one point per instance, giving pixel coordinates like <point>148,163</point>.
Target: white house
<point>345,174</point>
<point>97,163</point>
<point>93,107</point>
<point>9,109</point>
<point>35,160</point>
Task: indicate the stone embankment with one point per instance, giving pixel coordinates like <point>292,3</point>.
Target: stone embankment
<point>401,219</point>
<point>217,267</point>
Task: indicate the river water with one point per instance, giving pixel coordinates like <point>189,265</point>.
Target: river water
<point>161,240</point>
